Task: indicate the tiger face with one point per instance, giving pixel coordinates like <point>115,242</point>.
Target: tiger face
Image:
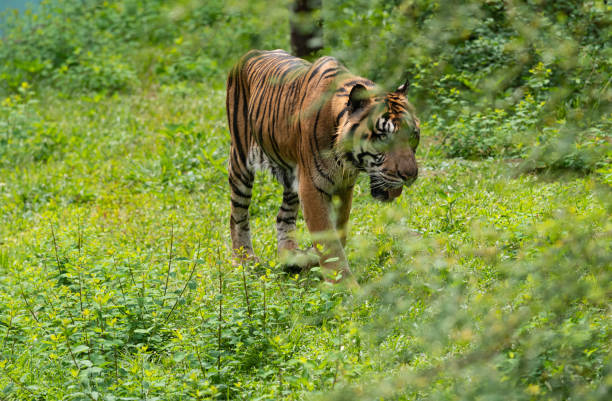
<point>380,138</point>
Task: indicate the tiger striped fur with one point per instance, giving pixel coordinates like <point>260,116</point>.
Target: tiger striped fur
<point>315,127</point>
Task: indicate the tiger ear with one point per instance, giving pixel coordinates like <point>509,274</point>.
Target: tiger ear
<point>403,88</point>
<point>358,98</point>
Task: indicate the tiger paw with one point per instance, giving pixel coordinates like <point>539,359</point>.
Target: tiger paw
<point>296,261</point>
<point>343,279</point>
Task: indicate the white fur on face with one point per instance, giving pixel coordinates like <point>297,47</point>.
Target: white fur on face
<point>385,125</point>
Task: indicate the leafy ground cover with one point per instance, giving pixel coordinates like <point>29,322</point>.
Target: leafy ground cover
<point>117,283</point>
<point>488,279</point>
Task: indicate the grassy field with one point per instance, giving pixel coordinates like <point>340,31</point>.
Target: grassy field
<point>489,279</point>
<point>117,281</point>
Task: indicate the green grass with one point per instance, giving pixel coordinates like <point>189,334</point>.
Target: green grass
<point>114,239</point>
<point>482,281</point>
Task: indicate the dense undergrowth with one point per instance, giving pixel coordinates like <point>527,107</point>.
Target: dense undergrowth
<point>488,279</point>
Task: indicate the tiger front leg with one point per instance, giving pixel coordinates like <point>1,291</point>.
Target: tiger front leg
<point>343,211</point>
<point>317,207</point>
<point>292,259</point>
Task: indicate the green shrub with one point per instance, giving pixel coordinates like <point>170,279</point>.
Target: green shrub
<point>577,149</point>
<point>111,46</point>
<point>490,133</point>
<point>538,331</point>
<point>493,78</point>
<point>65,43</point>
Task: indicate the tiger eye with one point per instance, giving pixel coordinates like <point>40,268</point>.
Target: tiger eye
<point>414,138</point>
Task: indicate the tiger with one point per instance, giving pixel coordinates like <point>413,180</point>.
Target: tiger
<point>315,126</point>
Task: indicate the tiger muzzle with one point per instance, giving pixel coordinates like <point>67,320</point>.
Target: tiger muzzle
<point>409,176</point>
<point>405,166</point>
<point>404,171</point>
<point>385,194</point>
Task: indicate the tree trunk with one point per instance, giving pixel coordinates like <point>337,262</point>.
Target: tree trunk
<point>306,27</point>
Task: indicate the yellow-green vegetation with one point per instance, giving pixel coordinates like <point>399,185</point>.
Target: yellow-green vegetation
<point>490,278</point>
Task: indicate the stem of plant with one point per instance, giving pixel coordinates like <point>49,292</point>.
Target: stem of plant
<point>29,308</point>
<point>142,377</point>
<point>220,312</point>
<point>116,367</point>
<point>193,266</point>
<point>131,273</point>
<point>71,353</point>
<point>264,305</point>
<point>169,264</point>
<point>55,247</point>
<point>143,290</point>
<point>8,331</point>
<point>280,380</point>
<point>122,291</point>
<point>282,291</point>
<point>70,316</point>
<point>80,243</point>
<point>195,347</point>
<point>18,383</point>
<point>246,292</point>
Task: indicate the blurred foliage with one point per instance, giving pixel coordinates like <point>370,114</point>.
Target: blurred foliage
<point>492,78</point>
<point>536,330</point>
<point>478,283</point>
<point>527,79</point>
<point>115,45</point>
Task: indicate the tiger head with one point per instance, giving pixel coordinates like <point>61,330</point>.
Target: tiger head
<point>381,137</point>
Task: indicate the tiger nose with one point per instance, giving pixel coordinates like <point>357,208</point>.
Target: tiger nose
<point>404,164</point>
<point>408,172</point>
<point>409,175</point>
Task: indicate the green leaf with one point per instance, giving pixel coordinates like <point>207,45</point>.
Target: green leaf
<point>179,356</point>
<point>80,348</point>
